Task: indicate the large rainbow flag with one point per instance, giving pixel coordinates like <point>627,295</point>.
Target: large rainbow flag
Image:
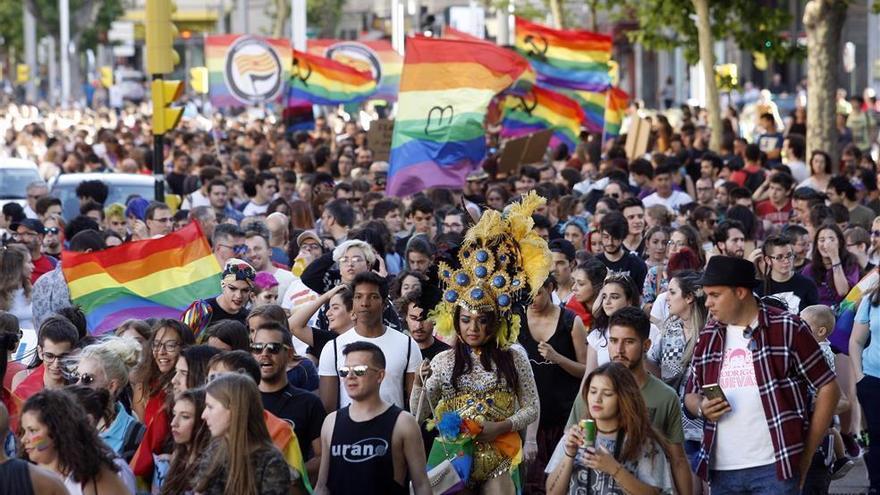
<point>572,59</point>
<point>244,69</point>
<point>445,90</point>
<point>155,278</point>
<point>377,56</point>
<point>325,81</point>
<point>615,109</point>
<point>541,108</point>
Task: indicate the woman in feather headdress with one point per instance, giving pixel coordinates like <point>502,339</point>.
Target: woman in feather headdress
<point>502,263</point>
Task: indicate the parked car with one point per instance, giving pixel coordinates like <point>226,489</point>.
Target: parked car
<point>121,187</point>
<point>15,175</point>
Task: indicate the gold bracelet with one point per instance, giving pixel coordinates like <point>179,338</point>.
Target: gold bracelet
<point>619,466</point>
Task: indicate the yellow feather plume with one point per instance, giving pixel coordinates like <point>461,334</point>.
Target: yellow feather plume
<point>491,225</point>
<point>536,260</point>
<point>442,315</point>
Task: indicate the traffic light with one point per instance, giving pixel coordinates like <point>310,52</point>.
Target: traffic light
<point>22,73</point>
<point>198,79</point>
<point>107,76</point>
<point>160,35</point>
<point>164,93</point>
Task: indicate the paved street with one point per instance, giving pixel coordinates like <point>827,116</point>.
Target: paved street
<point>856,481</point>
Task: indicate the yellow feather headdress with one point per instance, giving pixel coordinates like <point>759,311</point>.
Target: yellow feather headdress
<point>502,265</point>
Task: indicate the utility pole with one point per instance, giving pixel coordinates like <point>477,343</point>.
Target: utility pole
<point>64,50</point>
<point>298,24</point>
<point>30,53</point>
<point>242,8</point>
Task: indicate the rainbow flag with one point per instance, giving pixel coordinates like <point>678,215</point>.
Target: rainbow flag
<point>451,33</point>
<point>324,81</point>
<point>615,110</point>
<point>572,59</point>
<point>376,56</point>
<point>445,90</point>
<point>245,70</point>
<point>540,109</point>
<point>846,312</point>
<point>593,105</point>
<point>155,278</point>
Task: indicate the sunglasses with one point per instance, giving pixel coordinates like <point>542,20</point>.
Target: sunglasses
<point>272,347</point>
<point>84,378</point>
<point>238,249</point>
<point>359,370</point>
<point>52,230</point>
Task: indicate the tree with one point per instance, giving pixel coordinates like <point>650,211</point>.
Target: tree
<point>693,25</point>
<point>325,14</point>
<point>88,18</point>
<point>823,21</point>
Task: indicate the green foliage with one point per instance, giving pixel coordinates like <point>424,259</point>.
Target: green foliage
<point>110,11</point>
<point>48,18</point>
<point>668,24</point>
<point>11,19</point>
<point>324,14</point>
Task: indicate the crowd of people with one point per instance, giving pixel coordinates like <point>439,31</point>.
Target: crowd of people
<point>691,304</point>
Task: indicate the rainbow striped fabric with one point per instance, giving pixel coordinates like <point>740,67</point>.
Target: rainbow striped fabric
<point>246,69</point>
<point>378,57</point>
<point>846,312</point>
<point>325,81</point>
<point>572,59</point>
<point>615,109</point>
<point>541,108</point>
<point>155,278</point>
<point>445,90</point>
<point>593,105</point>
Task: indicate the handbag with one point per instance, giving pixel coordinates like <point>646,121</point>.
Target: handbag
<point>445,477</point>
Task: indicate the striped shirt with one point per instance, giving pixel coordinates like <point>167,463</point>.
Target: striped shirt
<point>787,362</point>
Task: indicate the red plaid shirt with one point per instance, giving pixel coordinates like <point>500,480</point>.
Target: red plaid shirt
<point>787,362</point>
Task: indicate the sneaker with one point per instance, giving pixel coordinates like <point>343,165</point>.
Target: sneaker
<point>853,451</point>
<point>841,467</point>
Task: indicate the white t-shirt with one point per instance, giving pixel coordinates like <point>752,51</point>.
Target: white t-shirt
<point>284,278</point>
<point>743,437</point>
<point>195,199</point>
<point>598,340</point>
<point>672,203</point>
<point>798,170</point>
<point>253,209</point>
<point>394,345</point>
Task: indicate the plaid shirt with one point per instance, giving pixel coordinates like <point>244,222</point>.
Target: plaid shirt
<point>787,362</point>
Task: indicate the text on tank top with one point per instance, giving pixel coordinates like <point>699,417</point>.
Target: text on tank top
<point>361,458</point>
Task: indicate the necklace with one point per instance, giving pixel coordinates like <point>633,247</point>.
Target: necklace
<point>607,432</point>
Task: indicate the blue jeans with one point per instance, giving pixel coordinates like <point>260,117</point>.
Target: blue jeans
<point>757,480</point>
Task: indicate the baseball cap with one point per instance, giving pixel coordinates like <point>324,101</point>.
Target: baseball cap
<point>31,224</point>
<point>309,234</point>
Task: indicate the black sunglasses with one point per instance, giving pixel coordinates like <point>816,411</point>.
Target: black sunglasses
<point>272,347</point>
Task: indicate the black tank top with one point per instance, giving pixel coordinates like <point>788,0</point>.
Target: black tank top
<point>557,388</point>
<point>15,478</point>
<point>361,459</point>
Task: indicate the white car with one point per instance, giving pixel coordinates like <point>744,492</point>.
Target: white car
<point>15,175</point>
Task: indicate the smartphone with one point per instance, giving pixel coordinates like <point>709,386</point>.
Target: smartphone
<point>713,391</point>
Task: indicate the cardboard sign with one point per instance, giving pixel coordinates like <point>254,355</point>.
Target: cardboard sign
<point>637,138</point>
<point>537,147</point>
<point>379,139</point>
<point>511,155</point>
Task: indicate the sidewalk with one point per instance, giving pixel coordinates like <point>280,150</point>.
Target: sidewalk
<point>855,482</point>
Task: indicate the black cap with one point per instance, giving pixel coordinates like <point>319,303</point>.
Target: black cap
<point>729,271</point>
<point>30,223</point>
<point>563,246</point>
